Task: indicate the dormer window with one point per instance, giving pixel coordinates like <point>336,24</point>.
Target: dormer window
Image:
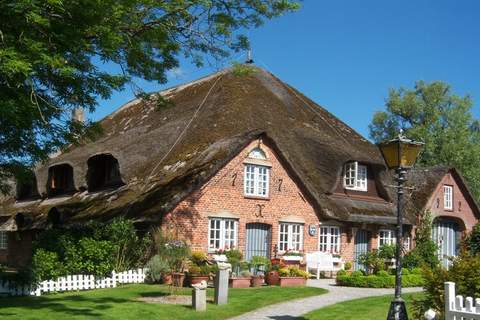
<point>256,175</point>
<point>60,180</point>
<point>103,172</point>
<point>355,176</point>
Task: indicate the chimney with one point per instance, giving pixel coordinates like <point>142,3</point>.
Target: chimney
<point>78,114</point>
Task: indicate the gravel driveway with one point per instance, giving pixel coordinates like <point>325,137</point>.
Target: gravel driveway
<point>295,308</point>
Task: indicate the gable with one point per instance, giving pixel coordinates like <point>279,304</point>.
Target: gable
<point>463,207</point>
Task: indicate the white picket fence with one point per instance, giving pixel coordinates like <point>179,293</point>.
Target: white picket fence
<point>458,308</point>
<point>75,282</point>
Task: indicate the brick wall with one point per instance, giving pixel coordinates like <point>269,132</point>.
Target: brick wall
<point>462,208</point>
<point>224,195</point>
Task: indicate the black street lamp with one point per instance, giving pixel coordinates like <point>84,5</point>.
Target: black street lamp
<point>400,154</point>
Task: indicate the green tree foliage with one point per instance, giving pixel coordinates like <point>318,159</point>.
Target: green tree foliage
<point>425,251</point>
<point>432,113</point>
<point>473,240</point>
<point>58,55</point>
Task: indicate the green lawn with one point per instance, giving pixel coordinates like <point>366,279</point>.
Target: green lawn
<point>360,309</point>
<point>120,303</point>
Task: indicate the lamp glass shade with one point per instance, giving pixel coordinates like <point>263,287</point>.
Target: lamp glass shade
<point>400,152</point>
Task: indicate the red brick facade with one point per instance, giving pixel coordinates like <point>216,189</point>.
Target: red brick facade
<point>223,196</point>
<point>462,208</point>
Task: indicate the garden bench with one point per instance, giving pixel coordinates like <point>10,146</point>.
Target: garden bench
<point>319,261</point>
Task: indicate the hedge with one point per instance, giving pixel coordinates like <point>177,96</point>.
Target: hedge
<point>379,281</point>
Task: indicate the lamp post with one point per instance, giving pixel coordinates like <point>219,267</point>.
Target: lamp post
<point>400,155</point>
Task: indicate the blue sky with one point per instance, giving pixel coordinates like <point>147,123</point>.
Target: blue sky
<point>345,55</point>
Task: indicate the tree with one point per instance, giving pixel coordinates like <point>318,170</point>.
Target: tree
<point>444,121</point>
<point>54,53</point>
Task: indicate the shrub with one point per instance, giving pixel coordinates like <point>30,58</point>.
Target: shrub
<point>46,265</point>
<point>198,258</point>
<point>464,271</point>
<point>373,261</point>
<point>473,240</point>
<point>416,271</point>
<point>235,257</point>
<point>387,251</point>
<point>156,268</point>
<point>425,251</point>
<point>378,281</point>
<point>405,271</point>
<point>341,273</point>
<point>245,274</point>
<point>293,271</point>
<point>357,273</point>
<point>93,248</point>
<point>383,273</point>
<point>348,265</point>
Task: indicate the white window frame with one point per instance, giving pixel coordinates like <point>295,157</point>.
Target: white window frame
<point>226,236</point>
<point>355,176</point>
<point>448,197</point>
<point>387,236</point>
<point>3,240</point>
<point>329,239</point>
<point>256,180</point>
<point>290,237</point>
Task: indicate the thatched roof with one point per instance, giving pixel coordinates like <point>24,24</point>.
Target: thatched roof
<point>165,151</point>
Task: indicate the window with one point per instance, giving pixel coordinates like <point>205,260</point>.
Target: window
<point>355,177</point>
<point>257,153</point>
<point>60,180</point>
<point>103,172</point>
<point>448,197</point>
<point>290,237</point>
<point>386,236</point>
<point>222,234</point>
<point>3,240</point>
<point>256,180</point>
<point>329,239</point>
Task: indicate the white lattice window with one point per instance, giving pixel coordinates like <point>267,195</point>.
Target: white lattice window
<point>329,239</point>
<point>256,180</point>
<point>386,236</point>
<point>448,197</point>
<point>222,234</point>
<point>290,237</point>
<point>3,240</point>
<point>355,176</point>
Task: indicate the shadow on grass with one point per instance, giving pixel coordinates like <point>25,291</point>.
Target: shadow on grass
<point>61,305</point>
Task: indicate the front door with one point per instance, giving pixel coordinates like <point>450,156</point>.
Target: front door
<point>259,238</point>
<point>361,246</point>
<point>446,235</point>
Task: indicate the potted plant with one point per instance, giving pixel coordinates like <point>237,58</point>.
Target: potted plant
<point>259,265</point>
<point>176,253</point>
<point>240,280</point>
<point>272,278</point>
<point>292,276</point>
<point>199,269</point>
<point>158,270</point>
<point>240,276</point>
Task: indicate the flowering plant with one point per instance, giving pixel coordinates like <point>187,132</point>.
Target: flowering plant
<point>176,252</point>
<point>293,253</point>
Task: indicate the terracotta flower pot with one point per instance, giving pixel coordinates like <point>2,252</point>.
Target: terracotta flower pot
<point>272,278</point>
<point>292,281</point>
<point>167,279</point>
<point>257,281</point>
<point>197,279</point>
<point>177,279</point>
<point>239,282</point>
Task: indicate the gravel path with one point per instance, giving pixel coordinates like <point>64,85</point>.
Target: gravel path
<point>294,309</point>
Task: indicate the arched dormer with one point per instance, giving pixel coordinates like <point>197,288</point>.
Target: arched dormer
<point>60,180</point>
<point>103,172</point>
<point>26,188</point>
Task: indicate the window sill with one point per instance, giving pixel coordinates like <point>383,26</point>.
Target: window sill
<point>356,189</point>
<point>256,197</point>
